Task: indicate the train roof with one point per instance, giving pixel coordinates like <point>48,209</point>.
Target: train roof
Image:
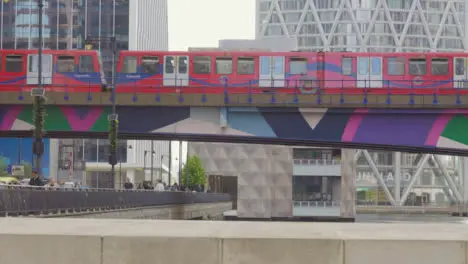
<point>48,51</point>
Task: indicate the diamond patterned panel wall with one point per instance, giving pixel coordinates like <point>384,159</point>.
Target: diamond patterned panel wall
<point>264,175</point>
<point>366,25</point>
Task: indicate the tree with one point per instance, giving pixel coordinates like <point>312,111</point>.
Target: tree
<point>27,169</point>
<point>3,167</point>
<point>39,113</point>
<point>195,172</point>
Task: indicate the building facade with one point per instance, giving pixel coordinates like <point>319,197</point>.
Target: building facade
<point>85,161</point>
<point>67,24</point>
<point>376,26</point>
<point>366,25</point>
<point>136,24</point>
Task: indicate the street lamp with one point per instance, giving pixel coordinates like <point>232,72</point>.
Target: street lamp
<point>39,99</point>
<point>112,118</point>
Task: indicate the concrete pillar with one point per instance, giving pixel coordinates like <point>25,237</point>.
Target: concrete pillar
<point>265,182</point>
<point>348,184</point>
<point>397,175</point>
<point>281,174</point>
<point>464,176</point>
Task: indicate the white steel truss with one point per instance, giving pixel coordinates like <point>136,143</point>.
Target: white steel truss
<point>366,25</point>
<point>452,191</point>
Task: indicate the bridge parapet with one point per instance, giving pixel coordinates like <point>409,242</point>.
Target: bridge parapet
<point>16,201</point>
<point>77,241</point>
<point>316,100</point>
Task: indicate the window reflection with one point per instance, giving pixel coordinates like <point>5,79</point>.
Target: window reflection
<point>98,150</point>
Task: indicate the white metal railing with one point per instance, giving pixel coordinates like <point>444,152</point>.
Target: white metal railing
<point>316,204</point>
<point>367,204</point>
<point>316,162</point>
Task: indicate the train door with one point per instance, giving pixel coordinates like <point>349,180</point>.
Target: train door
<point>369,72</point>
<point>176,71</point>
<point>33,68</point>
<point>376,75</point>
<point>460,72</point>
<point>272,71</point>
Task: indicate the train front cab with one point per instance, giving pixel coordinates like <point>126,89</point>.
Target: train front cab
<point>12,70</point>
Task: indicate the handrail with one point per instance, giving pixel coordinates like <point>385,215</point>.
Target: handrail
<point>317,162</point>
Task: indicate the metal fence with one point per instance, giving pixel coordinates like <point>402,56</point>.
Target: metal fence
<point>27,201</point>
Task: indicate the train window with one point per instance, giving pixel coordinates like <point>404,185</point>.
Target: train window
<point>439,66</point>
<point>246,65</point>
<point>396,66</point>
<point>150,64</point>
<point>224,65</point>
<point>66,64</point>
<point>14,63</point>
<point>183,63</point>
<point>169,64</point>
<point>459,66</point>
<point>86,64</point>
<point>347,66</point>
<point>130,64</point>
<point>201,64</point>
<point>417,67</point>
<point>297,66</point>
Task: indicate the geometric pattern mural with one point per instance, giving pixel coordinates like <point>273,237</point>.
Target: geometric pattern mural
<point>428,128</point>
<point>264,175</point>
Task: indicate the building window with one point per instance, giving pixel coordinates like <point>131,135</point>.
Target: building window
<point>14,63</point>
<point>396,66</point>
<point>439,66</point>
<point>130,64</point>
<point>298,66</point>
<point>150,64</point>
<point>98,150</point>
<point>201,65</point>
<point>417,67</point>
<point>346,66</point>
<point>246,65</point>
<point>224,65</point>
<point>86,64</point>
<point>66,64</point>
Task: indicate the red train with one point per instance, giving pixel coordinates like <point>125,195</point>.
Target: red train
<point>240,72</point>
<point>292,72</point>
<point>63,70</point>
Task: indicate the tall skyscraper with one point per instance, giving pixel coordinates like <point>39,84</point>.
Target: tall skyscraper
<point>136,24</point>
<point>366,25</point>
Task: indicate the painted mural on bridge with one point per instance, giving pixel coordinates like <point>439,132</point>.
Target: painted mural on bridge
<point>403,127</point>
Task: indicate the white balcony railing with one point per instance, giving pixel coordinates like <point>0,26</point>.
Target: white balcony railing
<point>316,162</point>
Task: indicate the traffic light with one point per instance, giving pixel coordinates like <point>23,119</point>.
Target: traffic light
<point>89,43</point>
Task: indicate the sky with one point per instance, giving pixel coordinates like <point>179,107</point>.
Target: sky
<point>202,23</point>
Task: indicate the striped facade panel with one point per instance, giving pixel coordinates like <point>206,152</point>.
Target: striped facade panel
<point>148,25</point>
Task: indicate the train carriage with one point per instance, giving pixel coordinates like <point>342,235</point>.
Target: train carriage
<point>62,71</point>
<point>209,72</point>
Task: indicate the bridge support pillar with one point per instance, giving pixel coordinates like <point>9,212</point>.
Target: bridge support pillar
<point>348,184</point>
<point>463,208</point>
<point>265,183</point>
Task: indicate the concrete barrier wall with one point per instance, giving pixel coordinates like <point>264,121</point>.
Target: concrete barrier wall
<point>80,241</point>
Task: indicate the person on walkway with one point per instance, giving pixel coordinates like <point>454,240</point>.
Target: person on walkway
<point>159,187</point>
<point>128,185</point>
<point>35,181</point>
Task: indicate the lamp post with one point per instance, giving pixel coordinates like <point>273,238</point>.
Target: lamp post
<point>112,118</point>
<point>39,99</point>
